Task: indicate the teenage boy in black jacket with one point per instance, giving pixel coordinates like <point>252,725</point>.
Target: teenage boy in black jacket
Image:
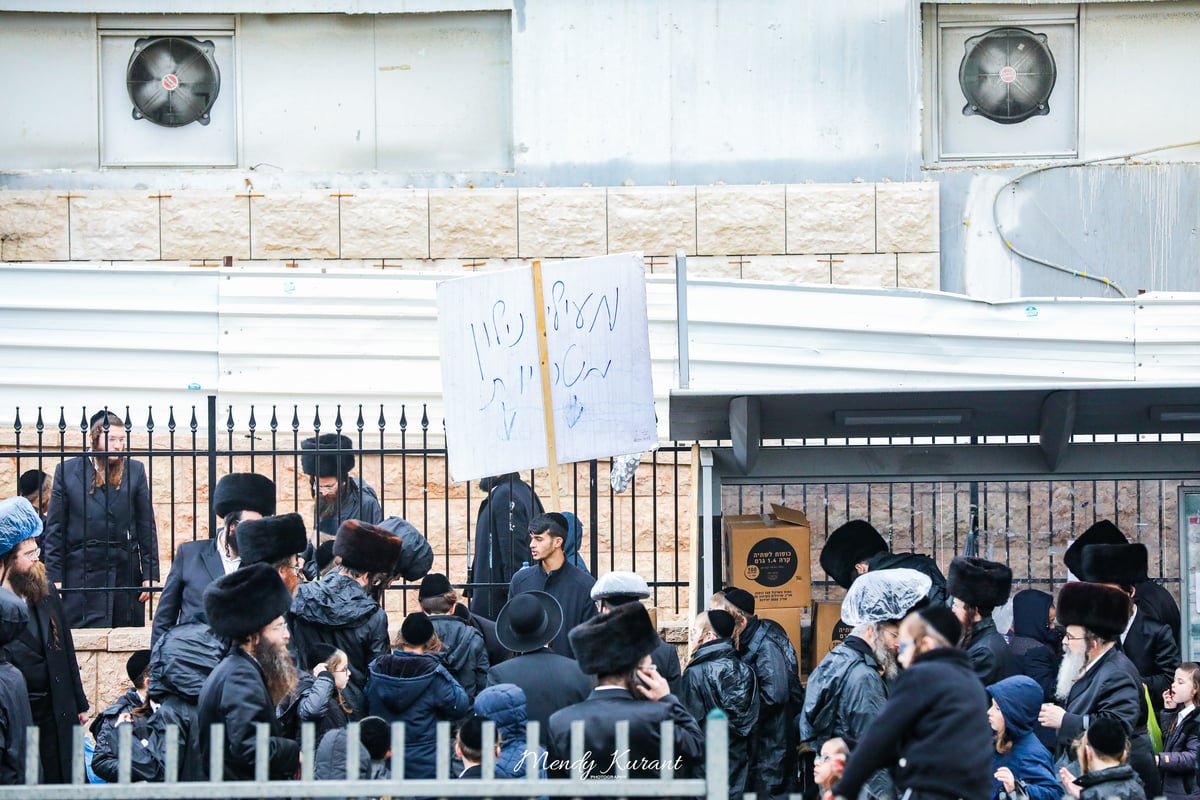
<point>934,728</point>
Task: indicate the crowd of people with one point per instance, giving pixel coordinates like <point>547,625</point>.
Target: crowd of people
<point>922,696</point>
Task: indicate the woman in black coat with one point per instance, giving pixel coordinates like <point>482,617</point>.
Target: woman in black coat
<point>100,532</point>
<point>716,678</point>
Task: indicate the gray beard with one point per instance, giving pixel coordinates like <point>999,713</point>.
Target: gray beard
<point>1069,671</point>
<point>885,659</point>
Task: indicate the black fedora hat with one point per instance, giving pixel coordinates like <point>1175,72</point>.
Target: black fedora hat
<point>529,621</point>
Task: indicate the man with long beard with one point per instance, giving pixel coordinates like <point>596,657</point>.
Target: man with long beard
<point>327,460</point>
<point>247,609</point>
<point>44,652</point>
<point>849,687</point>
<point>1096,679</point>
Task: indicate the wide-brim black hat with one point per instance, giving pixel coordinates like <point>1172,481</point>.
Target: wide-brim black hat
<point>329,455</point>
<point>245,601</point>
<point>979,582</point>
<point>614,642</point>
<point>366,547</point>
<point>529,621</point>
<point>853,542</point>
<point>244,491</point>
<point>271,539</point>
<point>1122,564</point>
<point>1102,532</point>
<point>1100,608</point>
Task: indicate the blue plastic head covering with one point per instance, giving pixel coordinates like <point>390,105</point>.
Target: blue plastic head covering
<point>18,522</point>
<point>884,594</point>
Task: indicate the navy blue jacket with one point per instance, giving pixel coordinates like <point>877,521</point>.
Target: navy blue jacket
<point>416,689</point>
<point>1020,700</point>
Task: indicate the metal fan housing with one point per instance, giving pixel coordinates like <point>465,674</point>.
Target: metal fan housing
<point>1007,75</point>
<point>173,80</point>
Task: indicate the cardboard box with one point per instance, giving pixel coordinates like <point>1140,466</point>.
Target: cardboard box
<point>790,618</point>
<point>768,556</point>
<point>829,630</point>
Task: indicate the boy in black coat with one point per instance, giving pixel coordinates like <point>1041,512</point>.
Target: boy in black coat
<point>937,707</point>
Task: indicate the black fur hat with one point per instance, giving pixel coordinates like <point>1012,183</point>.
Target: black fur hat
<point>244,491</point>
<point>366,547</point>
<point>614,642</point>
<point>271,539</point>
<point>331,456</point>
<point>1102,609</point>
<point>1122,564</point>
<point>245,601</point>
<point>1102,532</point>
<point>853,542</point>
<point>979,582</point>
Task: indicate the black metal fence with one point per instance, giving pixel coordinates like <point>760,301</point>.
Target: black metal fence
<point>400,453</point>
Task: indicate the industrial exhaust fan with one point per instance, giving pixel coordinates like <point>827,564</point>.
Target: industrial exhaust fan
<point>172,80</point>
<point>1007,75</point>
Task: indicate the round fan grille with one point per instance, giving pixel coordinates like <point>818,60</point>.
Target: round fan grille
<point>172,80</point>
<point>1007,75</point>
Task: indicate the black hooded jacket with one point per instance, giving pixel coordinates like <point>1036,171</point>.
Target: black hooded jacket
<point>179,664</point>
<point>464,652</point>
<point>771,767</point>
<point>716,678</point>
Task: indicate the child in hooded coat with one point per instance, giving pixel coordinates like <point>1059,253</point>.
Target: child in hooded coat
<point>1023,767</point>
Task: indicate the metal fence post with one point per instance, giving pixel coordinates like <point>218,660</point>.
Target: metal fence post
<point>716,756</point>
<point>212,462</point>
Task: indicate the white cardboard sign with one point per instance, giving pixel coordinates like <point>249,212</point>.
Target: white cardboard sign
<point>599,353</point>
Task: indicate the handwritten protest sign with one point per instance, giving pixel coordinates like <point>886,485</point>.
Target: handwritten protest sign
<point>599,365</point>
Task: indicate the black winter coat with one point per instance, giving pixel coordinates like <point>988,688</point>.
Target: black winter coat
<point>1180,757</point>
<point>1111,688</point>
<point>501,539</point>
<point>464,652</point>
<point>196,565</point>
<point>15,717</point>
<point>104,758</point>
<point>94,539</point>
<point>772,757</point>
<point>550,682</point>
<point>716,678</point>
<point>236,694</point>
<point>360,502</point>
<point>989,654</point>
<point>844,695</point>
<point>571,587</point>
<point>935,704</point>
<point>1156,602</point>
<point>1152,649</point>
<point>336,610</point>
<point>1114,783</point>
<point>180,663</point>
<point>495,651</point>
<point>600,714</point>
<point>313,700</point>
<point>45,655</point>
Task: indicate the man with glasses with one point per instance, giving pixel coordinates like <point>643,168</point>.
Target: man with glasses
<point>1096,679</point>
<point>44,652</point>
<point>849,687</point>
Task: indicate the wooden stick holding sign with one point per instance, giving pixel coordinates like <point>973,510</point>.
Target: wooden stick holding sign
<point>545,365</point>
<point>539,303</point>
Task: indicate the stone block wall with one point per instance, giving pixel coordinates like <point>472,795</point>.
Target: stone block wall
<point>865,234</point>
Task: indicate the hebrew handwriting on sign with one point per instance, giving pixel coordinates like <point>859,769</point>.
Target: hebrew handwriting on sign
<point>599,365</point>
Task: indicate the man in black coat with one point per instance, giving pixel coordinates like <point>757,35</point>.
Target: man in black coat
<point>554,574</point>
<point>100,531</point>
<point>501,539</point>
<point>1096,679</point>
<point>247,609</point>
<point>44,651</point>
<point>934,728</point>
<point>618,588</point>
<point>526,625</point>
<point>239,496</point>
<point>1145,641</point>
<point>15,715</point>
<point>978,586</point>
<point>464,650</point>
<point>1152,598</point>
<point>615,647</point>
<point>327,460</point>
<point>343,608</point>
